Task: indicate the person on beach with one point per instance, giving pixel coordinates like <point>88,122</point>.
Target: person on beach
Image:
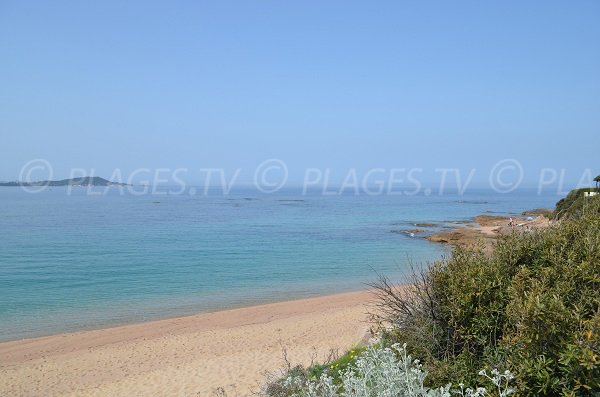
<point>510,222</point>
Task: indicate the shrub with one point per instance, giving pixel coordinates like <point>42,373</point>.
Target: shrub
<point>381,372</point>
<point>574,204</point>
<point>532,305</point>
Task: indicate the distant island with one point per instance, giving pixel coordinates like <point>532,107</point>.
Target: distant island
<point>83,181</point>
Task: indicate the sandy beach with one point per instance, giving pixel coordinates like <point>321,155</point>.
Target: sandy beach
<point>186,356</point>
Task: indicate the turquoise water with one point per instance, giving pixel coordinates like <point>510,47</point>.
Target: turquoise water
<point>79,261</point>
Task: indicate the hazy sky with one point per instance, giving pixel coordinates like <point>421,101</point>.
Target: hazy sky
<point>125,84</point>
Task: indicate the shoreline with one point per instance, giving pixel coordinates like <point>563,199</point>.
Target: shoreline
<point>176,314</point>
<point>486,228</point>
<point>195,354</point>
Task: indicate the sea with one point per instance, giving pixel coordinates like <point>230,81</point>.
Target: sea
<point>71,260</point>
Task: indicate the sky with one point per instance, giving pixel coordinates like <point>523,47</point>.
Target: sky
<point>333,85</point>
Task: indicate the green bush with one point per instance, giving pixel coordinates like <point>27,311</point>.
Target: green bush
<point>553,312</point>
<point>531,306</point>
<point>574,205</point>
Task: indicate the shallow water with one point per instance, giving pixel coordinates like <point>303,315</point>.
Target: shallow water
<point>80,261</point>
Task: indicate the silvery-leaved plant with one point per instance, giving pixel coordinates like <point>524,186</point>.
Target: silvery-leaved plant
<point>388,372</point>
<point>500,380</point>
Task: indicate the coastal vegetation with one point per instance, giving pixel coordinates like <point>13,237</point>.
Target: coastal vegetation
<point>381,371</point>
<point>575,203</point>
<point>528,308</point>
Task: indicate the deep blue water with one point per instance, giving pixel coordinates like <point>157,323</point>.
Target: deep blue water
<point>80,261</point>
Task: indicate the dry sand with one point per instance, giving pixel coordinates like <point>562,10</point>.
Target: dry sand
<point>186,356</point>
